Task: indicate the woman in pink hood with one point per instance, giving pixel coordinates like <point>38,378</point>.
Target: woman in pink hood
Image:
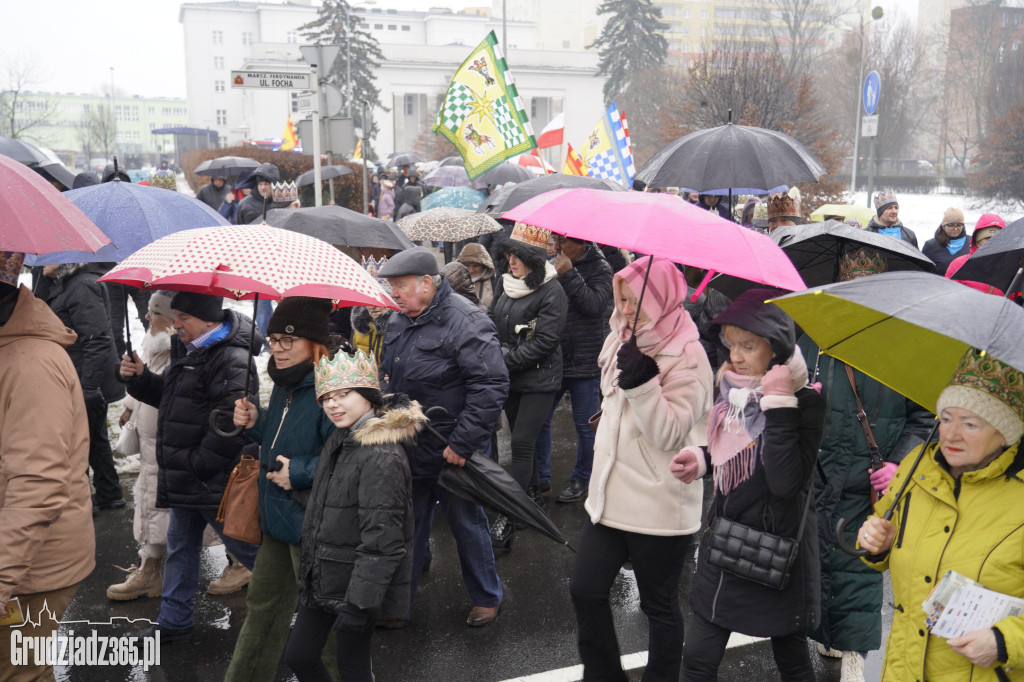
<point>988,225</point>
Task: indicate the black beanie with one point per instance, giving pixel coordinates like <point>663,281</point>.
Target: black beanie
<point>202,306</point>
<point>301,316</point>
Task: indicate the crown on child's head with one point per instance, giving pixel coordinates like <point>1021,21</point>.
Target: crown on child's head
<point>345,371</point>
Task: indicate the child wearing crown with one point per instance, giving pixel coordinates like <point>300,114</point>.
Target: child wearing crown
<point>357,534</point>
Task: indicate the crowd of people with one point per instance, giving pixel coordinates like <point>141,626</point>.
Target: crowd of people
<point>666,389</point>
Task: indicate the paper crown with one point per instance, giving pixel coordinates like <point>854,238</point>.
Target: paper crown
<point>284,192</point>
<point>784,206</point>
<point>10,266</point>
<point>345,371</point>
<point>531,235</point>
<point>853,222</point>
<point>373,266</point>
<point>163,179</point>
<point>761,211</point>
<point>862,262</point>
<point>991,389</point>
<point>884,198</point>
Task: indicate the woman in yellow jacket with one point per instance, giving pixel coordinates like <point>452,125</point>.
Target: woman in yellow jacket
<point>963,511</point>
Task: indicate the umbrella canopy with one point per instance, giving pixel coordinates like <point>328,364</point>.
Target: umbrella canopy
<point>22,151</point>
<point>451,176</point>
<point>508,197</point>
<point>817,250</point>
<point>731,156</point>
<point>665,226</point>
<point>326,173</point>
<point>507,171</point>
<point>997,262</point>
<point>57,172</point>
<point>862,214</point>
<point>403,159</point>
<point>908,330</point>
<point>454,197</point>
<point>133,216</point>
<point>740,191</point>
<point>452,161</point>
<point>226,166</point>
<point>446,224</point>
<point>340,226</point>
<point>242,261</point>
<point>36,218</point>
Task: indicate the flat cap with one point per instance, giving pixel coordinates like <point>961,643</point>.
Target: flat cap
<point>415,261</point>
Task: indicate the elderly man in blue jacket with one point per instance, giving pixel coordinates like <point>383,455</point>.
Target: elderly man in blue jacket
<point>443,350</point>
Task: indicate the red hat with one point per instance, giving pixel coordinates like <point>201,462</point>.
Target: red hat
<point>990,220</point>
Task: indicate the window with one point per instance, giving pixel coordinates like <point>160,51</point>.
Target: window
<point>392,27</point>
<point>686,30</point>
<point>406,27</point>
<point>85,108</point>
<point>292,37</point>
<point>379,27</point>
<point>703,30</point>
<point>686,14</point>
<point>218,37</point>
<point>410,106</point>
<point>135,113</point>
<point>218,63</point>
<point>152,110</point>
<point>294,102</point>
<point>247,38</point>
<point>686,47</point>
<point>218,86</point>
<point>222,117</point>
<point>566,44</point>
<point>703,14</point>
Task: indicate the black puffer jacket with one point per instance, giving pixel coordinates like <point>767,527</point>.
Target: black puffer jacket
<point>588,289</point>
<point>195,463</point>
<point>358,530</point>
<point>83,304</point>
<point>251,208</point>
<point>533,354</point>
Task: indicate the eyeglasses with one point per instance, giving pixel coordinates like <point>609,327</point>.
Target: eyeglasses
<point>285,342</point>
<point>333,395</point>
<point>952,224</point>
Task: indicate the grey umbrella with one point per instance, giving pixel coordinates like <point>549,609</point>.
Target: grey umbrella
<point>506,172</point>
<point>452,161</point>
<point>22,151</point>
<point>341,227</point>
<point>226,166</point>
<point>403,159</point>
<point>326,173</point>
<point>511,196</point>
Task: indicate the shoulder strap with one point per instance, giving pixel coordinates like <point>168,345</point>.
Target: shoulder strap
<point>862,417</point>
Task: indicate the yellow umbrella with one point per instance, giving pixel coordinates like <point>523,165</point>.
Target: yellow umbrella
<point>861,214</point>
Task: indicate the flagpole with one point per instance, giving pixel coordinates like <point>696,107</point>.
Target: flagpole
<point>318,177</point>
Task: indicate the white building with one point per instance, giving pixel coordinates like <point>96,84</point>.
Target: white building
<point>421,49</point>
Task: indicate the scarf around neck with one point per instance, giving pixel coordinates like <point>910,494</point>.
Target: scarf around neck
<point>516,288</point>
<point>955,245</point>
<point>290,377</point>
<point>734,430</point>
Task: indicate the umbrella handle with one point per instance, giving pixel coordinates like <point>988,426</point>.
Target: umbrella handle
<point>430,412</point>
<point>217,430</point>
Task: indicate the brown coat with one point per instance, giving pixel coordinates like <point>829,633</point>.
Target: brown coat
<point>47,541</point>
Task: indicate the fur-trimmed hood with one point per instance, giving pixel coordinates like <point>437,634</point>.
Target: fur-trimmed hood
<point>361,320</point>
<point>66,270</point>
<point>397,422</point>
<point>532,258</point>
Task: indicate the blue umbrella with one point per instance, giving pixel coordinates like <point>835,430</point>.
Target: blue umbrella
<point>455,197</point>
<point>132,216</point>
<point>740,191</point>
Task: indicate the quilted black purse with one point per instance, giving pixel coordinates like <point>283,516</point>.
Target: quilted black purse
<point>752,554</point>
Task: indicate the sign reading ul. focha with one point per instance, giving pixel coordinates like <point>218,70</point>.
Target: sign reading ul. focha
<point>270,80</point>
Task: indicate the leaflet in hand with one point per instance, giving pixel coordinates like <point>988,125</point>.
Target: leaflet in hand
<point>958,605</point>
<point>11,615</point>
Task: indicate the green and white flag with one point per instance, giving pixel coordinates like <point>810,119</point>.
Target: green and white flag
<point>482,114</point>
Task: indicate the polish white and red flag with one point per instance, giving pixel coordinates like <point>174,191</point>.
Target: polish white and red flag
<point>553,133</point>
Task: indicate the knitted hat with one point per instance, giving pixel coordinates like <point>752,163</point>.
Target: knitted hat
<point>953,215</point>
<point>10,266</point>
<point>345,371</point>
<point>752,312</point>
<point>784,207</point>
<point>203,306</point>
<point>160,303</point>
<point>883,200</point>
<point>861,262</point>
<point>301,316</point>
<point>990,389</point>
<point>531,235</point>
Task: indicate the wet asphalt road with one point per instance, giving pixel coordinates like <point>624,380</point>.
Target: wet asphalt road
<point>533,636</point>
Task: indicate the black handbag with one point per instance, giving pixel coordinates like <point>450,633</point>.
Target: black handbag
<point>755,555</point>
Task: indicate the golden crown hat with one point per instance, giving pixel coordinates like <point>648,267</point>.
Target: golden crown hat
<point>345,371</point>
<point>783,207</point>
<point>284,192</point>
<point>531,235</point>
<point>885,197</point>
<point>373,266</point>
<point>761,211</point>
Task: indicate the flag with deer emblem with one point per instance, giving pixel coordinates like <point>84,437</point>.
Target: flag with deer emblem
<point>482,114</point>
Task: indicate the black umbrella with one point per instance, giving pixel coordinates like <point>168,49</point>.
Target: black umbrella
<point>340,226</point>
<point>997,262</point>
<point>485,482</point>
<point>506,172</point>
<point>731,156</point>
<point>326,173</point>
<point>817,249</point>
<point>22,151</point>
<point>509,197</point>
<point>403,159</point>
<point>224,166</point>
<point>56,171</point>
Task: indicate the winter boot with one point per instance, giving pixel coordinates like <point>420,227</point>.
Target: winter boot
<point>853,667</point>
<point>827,652</point>
<point>235,577</point>
<point>144,581</point>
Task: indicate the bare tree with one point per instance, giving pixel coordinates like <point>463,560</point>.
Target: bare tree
<point>98,132</point>
<point>799,29</point>
<point>21,116</point>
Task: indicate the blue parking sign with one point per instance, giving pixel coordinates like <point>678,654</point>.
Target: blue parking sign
<point>872,87</point>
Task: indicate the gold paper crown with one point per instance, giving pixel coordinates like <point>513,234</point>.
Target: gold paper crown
<point>857,263</point>
<point>345,371</point>
<point>761,211</point>
<point>164,179</point>
<point>783,207</point>
<point>531,235</point>
<point>885,197</point>
<point>284,192</point>
<point>373,267</point>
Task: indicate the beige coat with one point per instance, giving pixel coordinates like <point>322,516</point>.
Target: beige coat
<point>641,429</point>
<point>47,541</point>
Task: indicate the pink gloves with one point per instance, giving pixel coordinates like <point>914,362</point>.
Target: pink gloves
<point>777,381</point>
<point>688,464</point>
<point>880,479</point>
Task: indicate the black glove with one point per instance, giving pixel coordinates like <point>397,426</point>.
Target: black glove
<point>351,619</point>
<point>635,368</point>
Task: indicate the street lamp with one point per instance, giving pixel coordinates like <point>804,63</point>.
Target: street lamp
<point>113,115</point>
<point>876,13</point>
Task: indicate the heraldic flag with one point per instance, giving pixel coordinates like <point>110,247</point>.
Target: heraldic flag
<point>606,151</point>
<point>482,114</point>
<point>290,139</point>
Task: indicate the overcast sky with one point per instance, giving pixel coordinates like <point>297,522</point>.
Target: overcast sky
<point>73,43</point>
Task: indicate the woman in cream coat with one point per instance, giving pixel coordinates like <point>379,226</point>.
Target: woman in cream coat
<point>657,392</point>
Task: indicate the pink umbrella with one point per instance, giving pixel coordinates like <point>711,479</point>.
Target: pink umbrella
<point>36,218</point>
<point>662,225</point>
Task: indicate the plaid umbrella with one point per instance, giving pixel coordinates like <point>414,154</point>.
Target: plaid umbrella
<point>454,197</point>
<point>446,224</point>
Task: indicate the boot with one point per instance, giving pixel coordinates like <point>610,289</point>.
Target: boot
<point>828,652</point>
<point>853,667</point>
<point>502,532</point>
<point>142,581</point>
<point>235,577</point>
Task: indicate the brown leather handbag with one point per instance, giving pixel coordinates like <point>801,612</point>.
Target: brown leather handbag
<point>240,506</point>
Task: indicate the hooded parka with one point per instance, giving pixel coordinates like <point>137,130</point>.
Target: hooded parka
<point>251,208</point>
<point>475,254</point>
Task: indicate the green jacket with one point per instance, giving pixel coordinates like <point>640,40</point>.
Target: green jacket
<point>851,594</point>
<point>300,435</point>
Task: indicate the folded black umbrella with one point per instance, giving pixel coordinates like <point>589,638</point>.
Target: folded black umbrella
<point>340,226</point>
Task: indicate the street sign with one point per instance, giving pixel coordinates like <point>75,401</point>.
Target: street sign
<point>341,134</point>
<point>271,80</point>
<point>870,93</point>
<point>869,126</point>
